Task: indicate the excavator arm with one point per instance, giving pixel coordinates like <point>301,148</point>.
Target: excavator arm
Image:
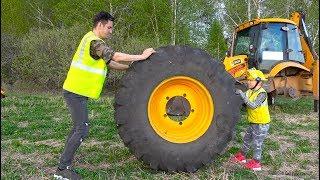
<point>311,57</point>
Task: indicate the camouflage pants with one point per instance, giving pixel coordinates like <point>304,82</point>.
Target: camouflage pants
<point>255,135</point>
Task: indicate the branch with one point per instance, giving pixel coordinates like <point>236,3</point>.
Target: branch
<point>239,18</point>
<point>258,3</point>
<point>111,8</point>
<point>255,2</point>
<point>41,17</point>
<point>156,23</point>
<point>231,19</point>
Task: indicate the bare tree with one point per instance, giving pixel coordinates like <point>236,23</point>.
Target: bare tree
<point>249,10</point>
<point>154,22</point>
<point>39,15</point>
<point>174,21</point>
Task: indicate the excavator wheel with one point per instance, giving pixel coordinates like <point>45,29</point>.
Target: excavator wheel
<point>271,98</point>
<point>177,110</point>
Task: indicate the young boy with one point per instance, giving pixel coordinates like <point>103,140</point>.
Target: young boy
<point>258,116</point>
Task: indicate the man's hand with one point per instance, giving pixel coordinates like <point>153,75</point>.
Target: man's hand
<point>147,52</point>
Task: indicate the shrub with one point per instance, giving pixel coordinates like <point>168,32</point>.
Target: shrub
<point>9,51</point>
<point>46,55</point>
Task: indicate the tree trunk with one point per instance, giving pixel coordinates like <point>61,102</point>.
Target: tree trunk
<point>259,9</point>
<point>174,22</point>
<point>155,27</point>
<point>111,8</point>
<point>249,10</point>
<point>315,38</point>
<point>218,51</point>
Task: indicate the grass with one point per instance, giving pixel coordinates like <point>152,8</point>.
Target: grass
<point>34,127</point>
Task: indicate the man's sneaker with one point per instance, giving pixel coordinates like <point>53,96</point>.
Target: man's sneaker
<point>253,165</point>
<point>238,158</point>
<point>66,174</point>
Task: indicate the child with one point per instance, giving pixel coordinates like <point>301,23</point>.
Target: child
<point>258,116</point>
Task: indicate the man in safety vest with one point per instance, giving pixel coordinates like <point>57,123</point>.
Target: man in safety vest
<point>85,80</point>
<point>258,116</point>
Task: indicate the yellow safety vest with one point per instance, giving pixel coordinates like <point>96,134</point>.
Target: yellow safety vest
<point>259,115</point>
<point>86,75</point>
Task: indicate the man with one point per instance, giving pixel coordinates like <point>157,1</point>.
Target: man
<point>85,80</point>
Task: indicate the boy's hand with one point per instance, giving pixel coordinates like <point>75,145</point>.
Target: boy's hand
<point>238,91</point>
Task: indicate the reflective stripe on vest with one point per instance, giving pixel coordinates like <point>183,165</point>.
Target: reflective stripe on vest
<point>259,115</point>
<point>78,63</point>
<point>83,46</point>
<point>81,66</point>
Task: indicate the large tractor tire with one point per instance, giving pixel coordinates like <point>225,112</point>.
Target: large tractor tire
<point>176,111</point>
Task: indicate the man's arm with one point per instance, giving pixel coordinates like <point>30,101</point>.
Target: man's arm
<point>118,66</point>
<point>118,56</point>
<point>99,50</point>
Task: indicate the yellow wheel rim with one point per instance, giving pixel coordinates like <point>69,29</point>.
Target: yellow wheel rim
<point>195,123</point>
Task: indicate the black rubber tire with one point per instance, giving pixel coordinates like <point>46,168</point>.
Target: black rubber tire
<point>315,105</point>
<point>131,104</point>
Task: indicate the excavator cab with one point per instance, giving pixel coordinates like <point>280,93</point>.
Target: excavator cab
<point>268,43</point>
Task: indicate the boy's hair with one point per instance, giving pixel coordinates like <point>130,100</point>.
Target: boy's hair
<point>103,17</point>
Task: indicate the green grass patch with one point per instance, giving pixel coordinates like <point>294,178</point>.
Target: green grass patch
<point>290,106</point>
<point>34,128</point>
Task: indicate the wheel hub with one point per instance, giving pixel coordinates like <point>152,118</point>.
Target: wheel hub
<point>180,109</point>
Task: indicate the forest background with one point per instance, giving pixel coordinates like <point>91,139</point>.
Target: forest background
<point>39,37</point>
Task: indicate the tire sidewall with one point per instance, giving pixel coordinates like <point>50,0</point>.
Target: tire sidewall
<point>193,63</point>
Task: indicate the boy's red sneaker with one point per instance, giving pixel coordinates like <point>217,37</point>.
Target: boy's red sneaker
<point>253,165</point>
<point>238,158</point>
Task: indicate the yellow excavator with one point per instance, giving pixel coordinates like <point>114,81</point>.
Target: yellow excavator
<point>282,50</point>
